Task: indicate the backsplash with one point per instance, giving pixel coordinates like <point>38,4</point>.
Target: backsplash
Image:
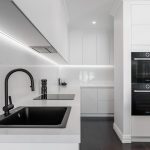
<point>79,76</point>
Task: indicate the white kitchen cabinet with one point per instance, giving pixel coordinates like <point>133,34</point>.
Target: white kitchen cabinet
<point>89,100</point>
<point>140,25</point>
<point>105,100</point>
<point>97,101</point>
<point>75,46</point>
<point>103,49</point>
<point>50,18</point>
<point>140,14</point>
<point>89,48</point>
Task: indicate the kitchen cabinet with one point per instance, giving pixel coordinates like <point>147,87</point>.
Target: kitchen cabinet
<point>140,26</point>
<point>105,100</point>
<point>103,49</point>
<point>50,18</point>
<point>89,100</point>
<point>89,48</point>
<point>75,46</point>
<point>97,101</point>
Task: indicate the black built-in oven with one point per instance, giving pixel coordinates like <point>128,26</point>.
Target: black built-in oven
<point>141,83</point>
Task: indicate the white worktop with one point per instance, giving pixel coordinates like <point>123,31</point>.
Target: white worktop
<point>70,134</point>
<point>99,85</point>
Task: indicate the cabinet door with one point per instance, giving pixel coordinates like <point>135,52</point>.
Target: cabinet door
<point>105,100</point>
<point>141,25</point>
<point>89,48</point>
<point>50,19</point>
<point>89,100</point>
<point>75,47</point>
<point>103,48</point>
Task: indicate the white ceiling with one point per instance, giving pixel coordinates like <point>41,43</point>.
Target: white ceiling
<point>83,12</point>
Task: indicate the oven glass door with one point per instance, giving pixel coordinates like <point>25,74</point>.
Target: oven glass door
<point>141,103</point>
<point>140,71</point>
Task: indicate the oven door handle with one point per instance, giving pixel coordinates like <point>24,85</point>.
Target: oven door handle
<point>141,58</point>
<point>141,91</point>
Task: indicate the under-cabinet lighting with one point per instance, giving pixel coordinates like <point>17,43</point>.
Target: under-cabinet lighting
<point>18,43</point>
<point>87,66</point>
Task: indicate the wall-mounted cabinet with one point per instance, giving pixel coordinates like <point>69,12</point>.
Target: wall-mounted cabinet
<point>91,47</point>
<point>50,18</point>
<point>140,27</point>
<point>97,101</point>
<point>15,24</point>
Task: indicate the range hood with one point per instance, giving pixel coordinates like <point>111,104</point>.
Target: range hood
<point>44,49</point>
<point>14,23</point>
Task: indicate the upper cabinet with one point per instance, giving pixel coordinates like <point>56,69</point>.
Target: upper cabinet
<point>50,18</point>
<point>140,26</point>
<point>15,24</point>
<point>91,47</point>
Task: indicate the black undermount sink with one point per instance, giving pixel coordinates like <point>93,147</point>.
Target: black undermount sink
<point>36,117</point>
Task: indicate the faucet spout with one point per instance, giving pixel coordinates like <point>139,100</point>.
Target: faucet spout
<point>10,106</point>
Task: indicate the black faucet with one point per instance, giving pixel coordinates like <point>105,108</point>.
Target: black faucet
<point>10,106</point>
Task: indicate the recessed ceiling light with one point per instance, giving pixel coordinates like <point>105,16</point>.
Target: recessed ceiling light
<point>93,22</point>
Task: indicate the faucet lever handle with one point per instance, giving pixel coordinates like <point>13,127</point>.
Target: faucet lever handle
<point>10,100</point>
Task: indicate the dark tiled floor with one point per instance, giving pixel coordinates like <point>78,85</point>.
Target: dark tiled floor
<point>98,134</point>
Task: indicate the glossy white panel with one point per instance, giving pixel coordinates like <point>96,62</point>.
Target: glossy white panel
<point>87,75</point>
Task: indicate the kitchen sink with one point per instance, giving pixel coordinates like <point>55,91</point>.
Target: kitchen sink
<point>36,117</point>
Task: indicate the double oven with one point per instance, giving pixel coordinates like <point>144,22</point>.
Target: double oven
<point>141,83</point>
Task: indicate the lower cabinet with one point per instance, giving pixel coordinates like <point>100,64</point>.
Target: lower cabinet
<point>89,100</point>
<point>97,101</point>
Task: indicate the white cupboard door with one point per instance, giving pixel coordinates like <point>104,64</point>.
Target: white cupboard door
<point>140,14</point>
<point>89,48</point>
<point>106,100</point>
<point>89,100</point>
<point>141,26</point>
<point>103,48</point>
<point>75,47</point>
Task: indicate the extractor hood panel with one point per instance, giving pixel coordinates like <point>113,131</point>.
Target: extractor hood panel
<point>14,23</point>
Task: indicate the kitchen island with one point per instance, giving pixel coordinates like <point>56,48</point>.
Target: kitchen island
<point>47,138</point>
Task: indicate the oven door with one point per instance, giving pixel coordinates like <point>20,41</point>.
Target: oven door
<point>141,102</point>
<point>141,70</point>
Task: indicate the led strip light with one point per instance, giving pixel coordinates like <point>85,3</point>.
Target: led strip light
<point>8,37</point>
